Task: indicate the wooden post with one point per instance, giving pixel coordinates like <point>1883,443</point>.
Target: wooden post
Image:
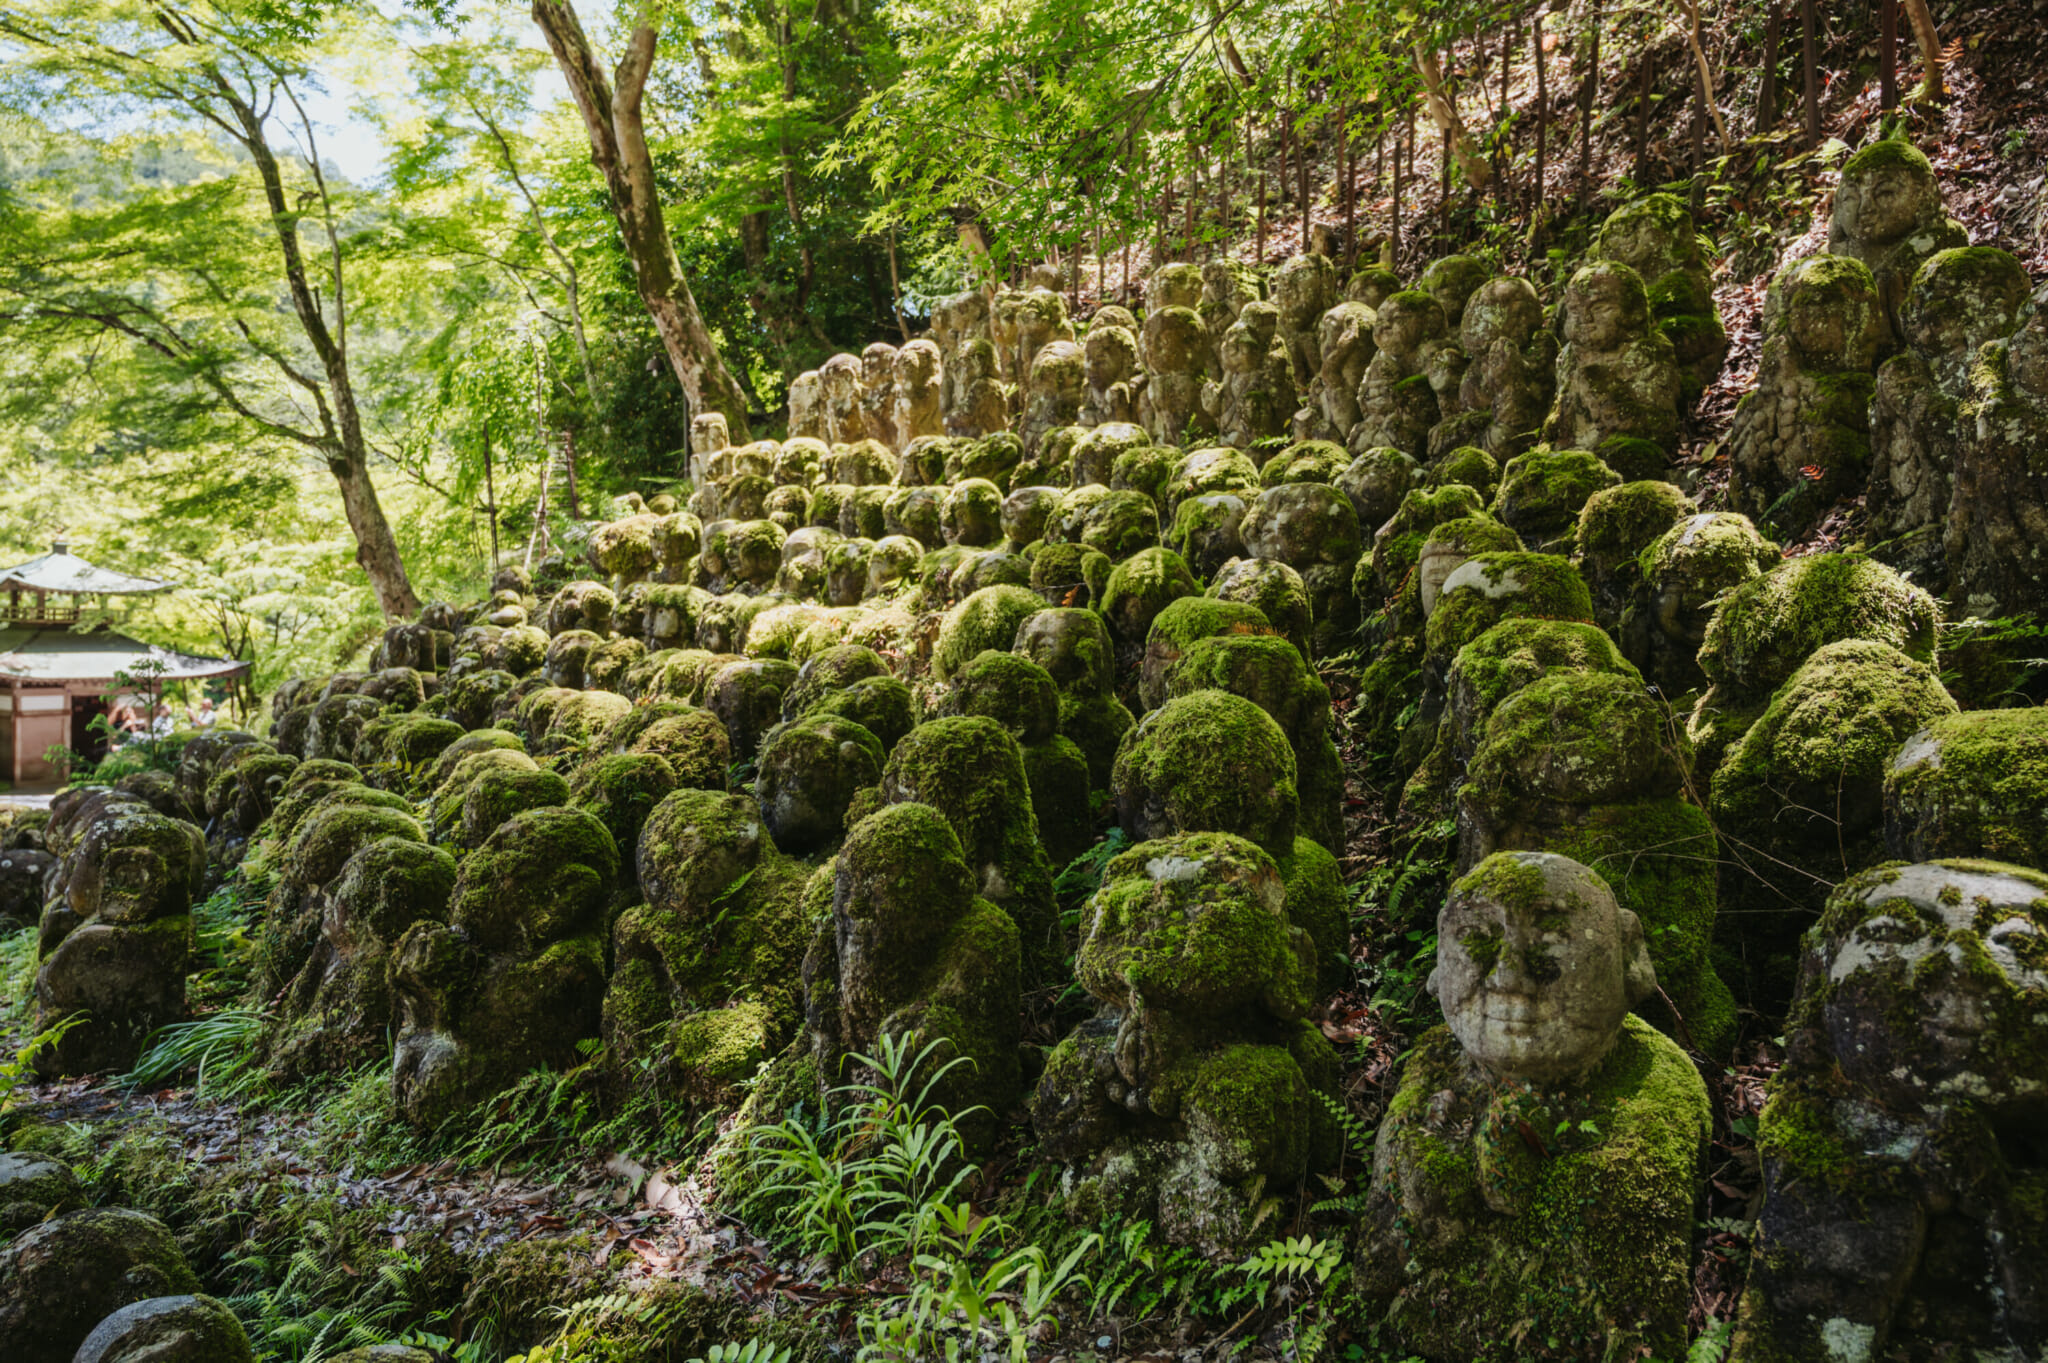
<point>1888,54</point>
<point>1809,57</point>
<point>1301,160</point>
<point>1542,112</point>
<point>1588,91</point>
<point>1767,95</point>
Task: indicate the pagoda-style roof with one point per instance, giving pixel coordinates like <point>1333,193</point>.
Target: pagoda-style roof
<point>60,570</point>
<point>59,655</point>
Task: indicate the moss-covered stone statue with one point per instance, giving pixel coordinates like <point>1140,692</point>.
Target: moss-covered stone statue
<point>1683,573</point>
<point>1542,492</point>
<point>918,399</point>
<point>1510,374</point>
<point>515,977</point>
<point>1055,387</point>
<point>1536,1171</point>
<point>116,941</point>
<point>1655,236</point>
<point>1960,301</point>
<point>703,985</point>
<point>1192,1094</point>
<point>1801,440</point>
<point>1618,374</point>
<point>1998,517</point>
<point>1113,377</point>
<point>1888,215</point>
<point>1074,647</point>
<point>1799,797</point>
<point>1344,343</point>
<point>1903,1214</point>
<point>1615,526</point>
<point>1175,350</point>
<point>1255,396</point>
<point>1971,785</point>
<point>980,404</point>
<point>1227,285</point>
<point>957,320</point>
<point>908,949</point>
<point>1397,407</point>
<point>59,1279</point>
<point>1021,696</point>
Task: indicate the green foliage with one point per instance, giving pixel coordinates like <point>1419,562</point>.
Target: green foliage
<point>18,1068</point>
<point>220,1048</point>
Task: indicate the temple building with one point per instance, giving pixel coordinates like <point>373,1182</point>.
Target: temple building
<point>60,663</point>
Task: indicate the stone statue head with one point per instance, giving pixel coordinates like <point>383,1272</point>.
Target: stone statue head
<point>1605,307</point>
<point>977,361</point>
<point>1174,285</point>
<point>1110,315</point>
<point>1177,341</point>
<point>1407,321</point>
<point>1505,309</point>
<point>916,365</point>
<point>1112,354</point>
<point>708,431</point>
<point>1960,299</point>
<point>1932,981</point>
<point>841,377</point>
<point>1652,235</point>
<point>1537,965</point>
<point>878,366</point>
<point>1887,192</point>
<point>1828,305</point>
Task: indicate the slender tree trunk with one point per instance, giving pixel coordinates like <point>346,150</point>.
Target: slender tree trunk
<point>1767,94</point>
<point>1443,108</point>
<point>1645,86</point>
<point>1931,89</point>
<point>1706,75</point>
<point>1888,54</point>
<point>1809,59</point>
<point>1542,116</point>
<point>1301,159</point>
<point>612,110</point>
<point>1589,90</point>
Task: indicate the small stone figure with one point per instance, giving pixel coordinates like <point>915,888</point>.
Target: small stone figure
<point>878,394</point>
<point>1511,369</point>
<point>1176,362</point>
<point>1256,396</point>
<point>1802,438</point>
<point>1040,319</point>
<point>1396,403</point>
<point>1058,379</point>
<point>919,396</point>
<point>707,438</point>
<point>980,406</point>
<point>1451,281</point>
<point>1304,288</point>
<point>1900,1216</point>
<point>1536,1170</point>
<point>1998,518</point>
<point>840,378</point>
<point>955,322</point>
<point>1227,285</point>
<point>1344,339</point>
<point>1888,215</point>
<point>1110,360</point>
<point>1617,374</point>
<point>806,407</point>
<point>1655,237</point>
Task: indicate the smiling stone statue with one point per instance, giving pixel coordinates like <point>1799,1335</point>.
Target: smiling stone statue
<point>1536,1170</point>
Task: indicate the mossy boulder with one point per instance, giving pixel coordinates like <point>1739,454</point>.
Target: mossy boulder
<point>1303,524</point>
<point>1140,588</point>
<point>1010,689</point>
<point>1376,482</point>
<point>1208,762</point>
<point>1207,531</point>
<point>987,619</point>
<point>1542,493</point>
<point>61,1278</point>
<point>747,698</point>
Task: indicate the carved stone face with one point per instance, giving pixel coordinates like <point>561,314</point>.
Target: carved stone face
<point>1500,310</point>
<point>878,366</point>
<point>1537,966</point>
<point>1405,321</point>
<point>1112,353</point>
<point>977,361</point>
<point>1936,980</point>
<point>1826,325</point>
<point>841,377</point>
<point>917,365</point>
<point>1605,308</point>
<point>1887,202</point>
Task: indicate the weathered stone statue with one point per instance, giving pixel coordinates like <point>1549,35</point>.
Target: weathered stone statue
<point>957,320</point>
<point>1058,380</point>
<point>1511,369</point>
<point>1396,404</point>
<point>1040,319</point>
<point>806,407</point>
<point>1802,438</point>
<point>1998,518</point>
<point>878,394</point>
<point>1617,374</point>
<point>1227,285</point>
<point>1256,395</point>
<point>1190,1096</point>
<point>919,396</point>
<point>1451,281</point>
<point>1344,339</point>
<point>1304,288</point>
<point>840,377</point>
<point>980,406</point>
<point>1176,362</point>
<point>1960,301</point>
<point>1899,1219</point>
<point>1537,1168</point>
<point>1888,215</point>
<point>707,438</point>
<point>1655,237</point>
<point>1110,361</point>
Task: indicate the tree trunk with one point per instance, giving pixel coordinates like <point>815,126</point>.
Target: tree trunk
<point>1706,75</point>
<point>1809,59</point>
<point>1767,94</point>
<point>618,147</point>
<point>1931,89</point>
<point>1443,107</point>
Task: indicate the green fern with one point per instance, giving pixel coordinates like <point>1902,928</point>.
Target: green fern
<point>222,1048</point>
